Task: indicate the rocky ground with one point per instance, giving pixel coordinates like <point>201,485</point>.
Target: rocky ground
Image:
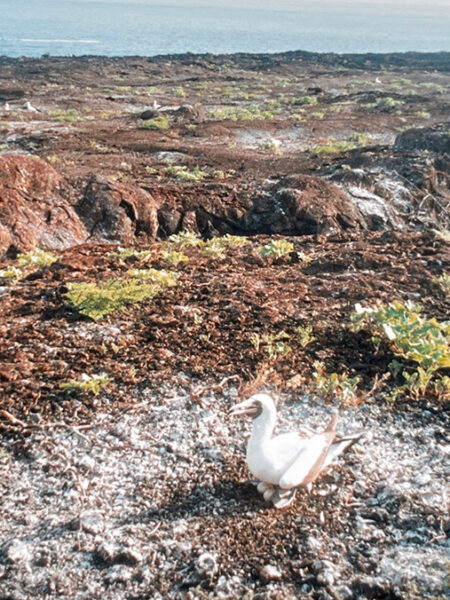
<point>141,491</point>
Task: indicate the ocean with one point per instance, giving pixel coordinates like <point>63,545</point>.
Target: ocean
<point>120,28</point>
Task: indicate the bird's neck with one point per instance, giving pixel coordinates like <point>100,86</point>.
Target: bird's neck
<point>263,427</point>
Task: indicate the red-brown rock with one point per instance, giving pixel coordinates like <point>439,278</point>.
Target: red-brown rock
<point>34,208</point>
<point>301,205</point>
<point>118,212</point>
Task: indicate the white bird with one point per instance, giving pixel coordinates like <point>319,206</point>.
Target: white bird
<point>288,461</point>
<point>156,105</point>
<point>7,106</point>
<point>30,108</point>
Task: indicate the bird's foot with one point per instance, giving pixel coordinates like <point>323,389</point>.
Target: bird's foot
<point>266,489</point>
<point>282,498</point>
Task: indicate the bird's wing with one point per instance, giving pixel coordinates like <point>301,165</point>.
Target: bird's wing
<point>308,462</point>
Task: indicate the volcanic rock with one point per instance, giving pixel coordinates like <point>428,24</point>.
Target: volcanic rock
<point>433,139</point>
<point>115,211</point>
<point>34,207</point>
<point>303,205</point>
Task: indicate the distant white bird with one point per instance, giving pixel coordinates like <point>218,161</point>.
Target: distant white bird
<point>6,107</point>
<point>285,462</point>
<point>156,105</point>
<point>30,108</point>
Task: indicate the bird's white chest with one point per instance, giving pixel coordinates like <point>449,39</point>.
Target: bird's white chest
<point>268,460</point>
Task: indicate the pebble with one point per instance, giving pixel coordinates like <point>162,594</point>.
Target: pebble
<point>118,574</point>
<point>270,573</point>
<point>17,551</point>
<point>132,520</point>
<point>107,551</point>
<point>131,556</point>
<point>325,578</point>
<point>92,522</point>
<point>206,564</point>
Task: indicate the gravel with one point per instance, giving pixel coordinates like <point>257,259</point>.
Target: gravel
<point>155,502</point>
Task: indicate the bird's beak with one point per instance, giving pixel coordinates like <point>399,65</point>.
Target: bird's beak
<point>243,408</point>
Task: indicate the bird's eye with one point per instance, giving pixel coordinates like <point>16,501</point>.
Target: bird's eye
<point>257,409</point>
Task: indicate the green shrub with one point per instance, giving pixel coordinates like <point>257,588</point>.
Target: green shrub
<point>184,239</point>
<point>179,92</point>
<point>163,278</point>
<point>413,338</point>
<point>182,173</point>
<point>423,114</point>
<point>361,138</point>
<point>271,344</point>
<point>386,102</point>
<point>443,281</point>
<point>276,249</point>
<point>36,258</point>
<point>88,383</point>
<point>97,300</point>
<point>12,273</point>
<point>160,123</point>
<point>327,385</point>
<point>305,100</point>
<point>436,87</point>
<point>123,254</point>
<point>173,257</point>
<point>304,335</point>
<point>333,147</point>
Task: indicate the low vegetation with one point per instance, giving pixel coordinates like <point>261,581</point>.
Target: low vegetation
<point>386,103</point>
<point>96,300</point>
<point>305,100</point>
<point>274,345</point>
<point>422,344</point>
<point>276,249</point>
<point>11,273</point>
<point>173,257</point>
<point>333,146</point>
<point>93,384</point>
<point>160,123</point>
<point>36,258</point>
<point>182,173</point>
<point>184,239</point>
<point>159,276</point>
<point>330,385</point>
<point>125,254</point>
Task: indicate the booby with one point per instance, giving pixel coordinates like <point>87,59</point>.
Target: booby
<point>30,108</point>
<point>283,463</point>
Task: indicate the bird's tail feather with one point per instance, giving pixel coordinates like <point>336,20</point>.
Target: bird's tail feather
<point>340,445</point>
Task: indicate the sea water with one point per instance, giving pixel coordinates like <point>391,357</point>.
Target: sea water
<point>119,28</point>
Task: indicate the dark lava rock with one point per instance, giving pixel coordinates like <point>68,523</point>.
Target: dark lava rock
<point>150,113</point>
<point>433,139</point>
<point>8,94</point>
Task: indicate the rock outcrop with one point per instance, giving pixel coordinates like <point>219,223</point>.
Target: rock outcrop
<point>34,207</point>
<point>39,209</point>
<point>117,212</point>
<point>433,139</point>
